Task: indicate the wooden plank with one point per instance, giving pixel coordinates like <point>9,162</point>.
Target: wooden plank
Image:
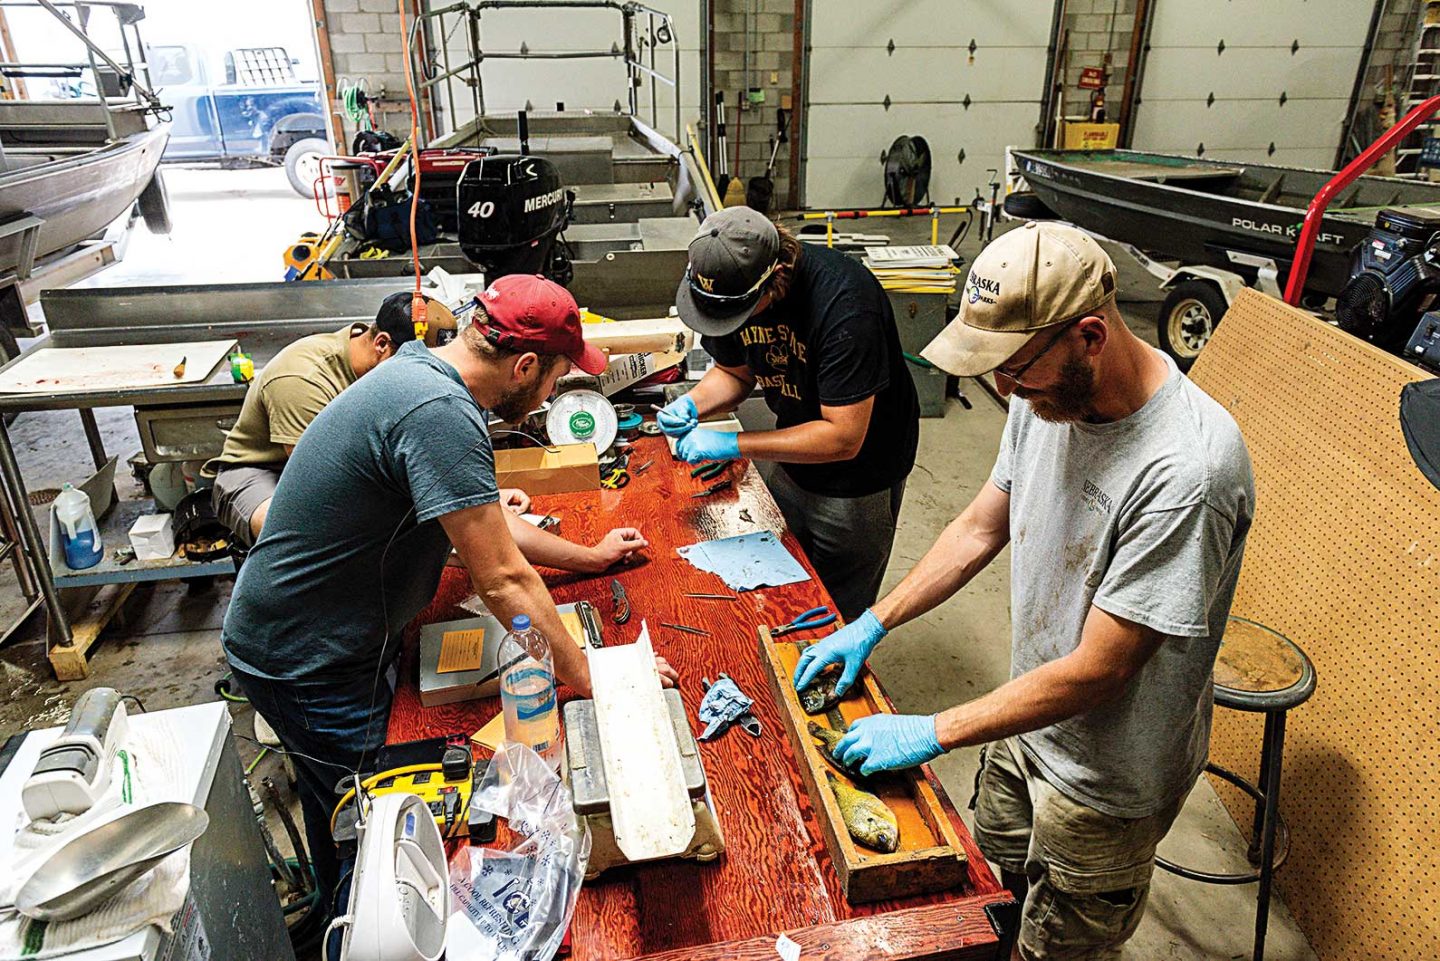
<point>930,857</point>
<point>776,874</point>
<point>649,807</point>
<point>87,620</point>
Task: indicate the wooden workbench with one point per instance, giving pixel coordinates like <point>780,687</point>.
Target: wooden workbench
<point>775,876</point>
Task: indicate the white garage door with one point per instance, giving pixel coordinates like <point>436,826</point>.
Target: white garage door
<point>1261,80</point>
<point>588,84</point>
<point>967,75</point>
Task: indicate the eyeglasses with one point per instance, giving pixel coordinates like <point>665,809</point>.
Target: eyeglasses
<point>729,298</point>
<point>1014,376</point>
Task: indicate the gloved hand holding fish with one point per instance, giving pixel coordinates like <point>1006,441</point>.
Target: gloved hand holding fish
<point>850,647</point>
<point>887,742</point>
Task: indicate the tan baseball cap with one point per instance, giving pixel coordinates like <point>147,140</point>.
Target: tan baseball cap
<point>1031,278</point>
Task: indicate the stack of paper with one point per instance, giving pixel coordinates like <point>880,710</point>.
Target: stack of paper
<point>918,269</point>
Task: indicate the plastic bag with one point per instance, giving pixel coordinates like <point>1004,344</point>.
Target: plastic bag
<point>516,904</point>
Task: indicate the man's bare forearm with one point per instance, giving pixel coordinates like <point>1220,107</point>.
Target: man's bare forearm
<point>813,442</point>
<point>1044,696</point>
<point>521,591</point>
<point>963,549</point>
<point>550,550</point>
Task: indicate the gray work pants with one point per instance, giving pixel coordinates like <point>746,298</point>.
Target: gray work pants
<point>848,539</point>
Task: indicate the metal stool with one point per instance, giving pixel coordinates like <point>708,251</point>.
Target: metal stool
<point>1264,672</point>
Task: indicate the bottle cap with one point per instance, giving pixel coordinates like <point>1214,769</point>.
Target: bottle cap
<point>521,622</point>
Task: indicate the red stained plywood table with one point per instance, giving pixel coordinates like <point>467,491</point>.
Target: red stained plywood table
<point>775,876</point>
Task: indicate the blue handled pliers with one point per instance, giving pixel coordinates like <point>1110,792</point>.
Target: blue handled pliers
<point>815,617</point>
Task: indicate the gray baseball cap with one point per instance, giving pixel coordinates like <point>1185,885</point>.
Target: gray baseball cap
<point>733,254</point>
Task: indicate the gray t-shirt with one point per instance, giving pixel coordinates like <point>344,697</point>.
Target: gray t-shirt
<point>1144,518</point>
<point>372,474</point>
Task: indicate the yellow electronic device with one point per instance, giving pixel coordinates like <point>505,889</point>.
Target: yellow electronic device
<point>446,789</point>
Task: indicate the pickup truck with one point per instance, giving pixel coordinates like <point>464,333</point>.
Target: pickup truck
<point>245,110</point>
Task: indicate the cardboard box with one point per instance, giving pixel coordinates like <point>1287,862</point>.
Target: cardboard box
<point>559,470</point>
<point>1091,136</point>
<point>153,537</point>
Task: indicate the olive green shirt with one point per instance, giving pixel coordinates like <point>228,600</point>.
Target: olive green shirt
<point>287,395</point>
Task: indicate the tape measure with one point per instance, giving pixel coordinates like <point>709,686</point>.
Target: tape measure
<point>582,417</point>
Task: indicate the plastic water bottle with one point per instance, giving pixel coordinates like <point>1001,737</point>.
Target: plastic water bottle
<point>527,691</point>
<point>78,530</point>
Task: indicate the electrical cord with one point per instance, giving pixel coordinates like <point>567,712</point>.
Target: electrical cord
<point>138,703</point>
<point>284,753</point>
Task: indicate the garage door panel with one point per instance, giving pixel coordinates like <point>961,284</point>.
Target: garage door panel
<point>866,130</point>
<point>1250,73</point>
<point>858,75</point>
<point>1183,68</point>
<point>1240,125</point>
<point>927,77</point>
<point>1260,23</point>
<point>931,23</point>
<point>852,138</point>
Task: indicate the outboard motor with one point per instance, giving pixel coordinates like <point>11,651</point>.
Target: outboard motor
<point>511,211</point>
<point>907,172</point>
<point>1395,275</point>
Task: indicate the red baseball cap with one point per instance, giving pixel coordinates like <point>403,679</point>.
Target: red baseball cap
<point>528,312</point>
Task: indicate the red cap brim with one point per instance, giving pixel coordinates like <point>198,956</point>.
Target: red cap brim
<point>591,359</point>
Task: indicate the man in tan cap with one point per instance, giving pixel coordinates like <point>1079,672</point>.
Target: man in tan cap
<point>1125,494</point>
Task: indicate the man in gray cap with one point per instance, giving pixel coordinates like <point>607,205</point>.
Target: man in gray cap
<point>1125,495</point>
<point>813,328</point>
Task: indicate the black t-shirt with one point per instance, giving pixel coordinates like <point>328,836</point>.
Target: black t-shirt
<point>832,341</point>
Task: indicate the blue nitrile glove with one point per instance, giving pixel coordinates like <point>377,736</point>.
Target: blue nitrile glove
<point>887,742</point>
<point>851,646</point>
<point>678,417</point>
<point>722,704</point>
<point>703,445</point>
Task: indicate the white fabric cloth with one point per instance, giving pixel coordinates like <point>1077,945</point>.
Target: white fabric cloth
<point>147,771</point>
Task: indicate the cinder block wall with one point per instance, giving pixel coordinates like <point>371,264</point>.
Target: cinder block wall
<point>1097,26</point>
<point>772,69</point>
<point>365,43</point>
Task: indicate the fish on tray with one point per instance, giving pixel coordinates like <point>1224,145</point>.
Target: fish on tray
<point>866,817</point>
<point>819,695</point>
<point>828,738</point>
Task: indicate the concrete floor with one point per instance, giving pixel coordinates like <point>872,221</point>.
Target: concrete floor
<point>167,651</point>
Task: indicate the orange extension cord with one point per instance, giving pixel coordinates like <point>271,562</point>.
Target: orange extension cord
<point>417,301</point>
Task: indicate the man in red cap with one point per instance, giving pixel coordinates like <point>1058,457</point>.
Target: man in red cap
<point>383,482</point>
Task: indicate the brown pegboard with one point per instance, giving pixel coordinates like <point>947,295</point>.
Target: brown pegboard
<point>1343,558</point>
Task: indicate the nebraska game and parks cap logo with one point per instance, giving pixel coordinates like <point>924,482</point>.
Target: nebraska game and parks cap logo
<point>979,288</point>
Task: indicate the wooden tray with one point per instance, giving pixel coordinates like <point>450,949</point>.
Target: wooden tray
<point>930,858</point>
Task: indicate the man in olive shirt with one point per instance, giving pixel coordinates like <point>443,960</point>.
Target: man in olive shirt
<point>293,388</point>
<point>299,383</point>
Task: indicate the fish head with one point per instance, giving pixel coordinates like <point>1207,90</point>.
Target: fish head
<point>882,835</point>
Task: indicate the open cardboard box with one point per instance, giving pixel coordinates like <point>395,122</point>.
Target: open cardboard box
<point>555,470</point>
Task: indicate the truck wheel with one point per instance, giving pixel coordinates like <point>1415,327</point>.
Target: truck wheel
<point>154,204</point>
<point>302,163</point>
<point>1188,318</point>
